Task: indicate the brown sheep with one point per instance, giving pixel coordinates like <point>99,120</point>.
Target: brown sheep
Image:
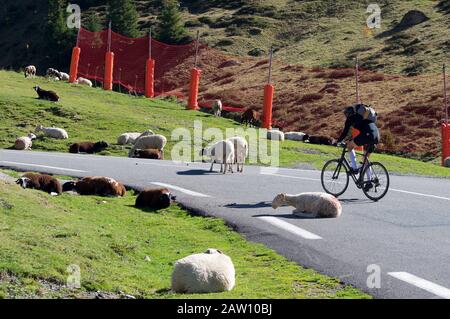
<point>43,182</point>
<point>88,147</point>
<point>249,117</point>
<point>149,153</point>
<point>157,198</point>
<point>46,95</point>
<point>96,185</point>
<point>319,139</point>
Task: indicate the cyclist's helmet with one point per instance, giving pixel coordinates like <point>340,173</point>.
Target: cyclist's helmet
<point>348,111</point>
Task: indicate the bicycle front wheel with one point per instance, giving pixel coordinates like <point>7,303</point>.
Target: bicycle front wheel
<point>376,181</point>
<point>335,178</point>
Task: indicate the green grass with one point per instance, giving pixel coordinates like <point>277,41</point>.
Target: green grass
<point>93,114</point>
<point>109,239</point>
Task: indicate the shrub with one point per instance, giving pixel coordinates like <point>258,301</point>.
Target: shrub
<point>224,42</point>
<point>311,97</point>
<point>343,73</point>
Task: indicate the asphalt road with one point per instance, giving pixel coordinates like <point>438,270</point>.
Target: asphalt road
<point>405,237</point>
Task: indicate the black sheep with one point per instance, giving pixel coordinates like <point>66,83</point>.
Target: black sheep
<point>88,147</point>
<point>158,198</point>
<point>46,95</point>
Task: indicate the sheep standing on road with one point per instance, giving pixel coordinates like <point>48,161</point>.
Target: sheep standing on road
<point>53,132</point>
<point>24,142</point>
<point>310,205</point>
<point>30,71</point>
<point>240,152</point>
<point>217,108</point>
<point>156,198</point>
<point>149,142</point>
<point>221,153</point>
<point>96,185</point>
<point>88,147</point>
<point>42,182</point>
<point>212,271</point>
<point>46,95</point>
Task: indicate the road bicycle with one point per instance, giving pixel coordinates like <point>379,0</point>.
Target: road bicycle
<point>373,177</point>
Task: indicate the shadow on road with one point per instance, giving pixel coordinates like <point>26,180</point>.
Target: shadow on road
<point>245,206</point>
<point>193,172</point>
<point>348,201</point>
<point>287,216</point>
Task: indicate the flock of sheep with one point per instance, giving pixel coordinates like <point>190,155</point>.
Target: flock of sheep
<point>211,271</point>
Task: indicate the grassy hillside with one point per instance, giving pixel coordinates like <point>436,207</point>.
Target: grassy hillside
<point>93,114</point>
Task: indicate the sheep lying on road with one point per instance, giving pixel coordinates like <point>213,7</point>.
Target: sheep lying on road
<point>149,154</point>
<point>53,132</point>
<point>43,182</point>
<point>240,151</point>
<point>46,95</point>
<point>294,136</point>
<point>148,142</point>
<point>221,153</point>
<point>24,142</point>
<point>217,108</point>
<point>157,198</point>
<point>96,185</point>
<point>88,147</point>
<point>30,71</point>
<point>311,205</point>
<point>275,135</point>
<point>209,272</point>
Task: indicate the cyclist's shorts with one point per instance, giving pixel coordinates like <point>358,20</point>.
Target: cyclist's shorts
<point>367,140</point>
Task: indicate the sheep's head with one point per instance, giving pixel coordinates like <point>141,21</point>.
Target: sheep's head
<point>213,251</point>
<point>32,136</point>
<point>36,88</point>
<point>279,200</point>
<point>39,128</point>
<point>69,186</point>
<point>305,137</point>
<point>23,181</point>
<point>101,145</point>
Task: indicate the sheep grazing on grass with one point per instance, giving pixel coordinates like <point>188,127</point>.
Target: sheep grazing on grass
<point>149,142</point>
<point>319,140</point>
<point>42,182</point>
<point>154,199</point>
<point>310,205</point>
<point>149,154</point>
<point>217,108</point>
<point>53,74</point>
<point>30,71</point>
<point>221,153</point>
<point>46,95</point>
<point>53,132</point>
<point>275,135</point>
<point>64,76</point>
<point>130,138</point>
<point>212,271</point>
<point>240,152</point>
<point>84,81</point>
<point>96,185</point>
<point>24,142</point>
<point>294,136</point>
<point>88,147</point>
<point>249,117</point>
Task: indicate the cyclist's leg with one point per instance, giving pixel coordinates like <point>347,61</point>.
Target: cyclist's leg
<point>352,154</point>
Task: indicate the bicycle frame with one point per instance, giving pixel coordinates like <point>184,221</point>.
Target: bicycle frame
<point>343,161</point>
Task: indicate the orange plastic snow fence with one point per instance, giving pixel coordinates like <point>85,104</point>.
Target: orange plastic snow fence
<point>150,78</point>
<point>355,133</point>
<point>193,92</point>
<point>109,67</point>
<point>445,142</point>
<point>74,64</point>
<point>269,90</point>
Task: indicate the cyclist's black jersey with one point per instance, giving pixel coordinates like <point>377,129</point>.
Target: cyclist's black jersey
<point>367,129</point>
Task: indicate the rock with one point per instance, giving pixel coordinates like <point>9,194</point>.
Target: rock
<point>147,258</point>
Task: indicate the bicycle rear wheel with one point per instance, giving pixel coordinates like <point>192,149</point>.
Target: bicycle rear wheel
<point>335,178</point>
<point>378,178</point>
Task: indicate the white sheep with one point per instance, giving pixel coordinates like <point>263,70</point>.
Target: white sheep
<point>240,151</point>
<point>294,136</point>
<point>24,142</point>
<point>221,153</point>
<point>84,81</point>
<point>149,142</point>
<point>30,71</point>
<point>128,138</point>
<point>275,135</point>
<point>145,133</point>
<point>52,132</point>
<point>209,272</point>
<point>310,205</point>
<point>64,76</point>
<point>53,74</point>
<point>217,108</point>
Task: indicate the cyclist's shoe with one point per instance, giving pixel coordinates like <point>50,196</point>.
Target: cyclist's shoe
<point>368,186</point>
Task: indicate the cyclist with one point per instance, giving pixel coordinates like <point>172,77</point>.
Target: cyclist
<point>368,137</point>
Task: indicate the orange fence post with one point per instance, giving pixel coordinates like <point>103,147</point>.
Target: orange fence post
<point>445,128</point>
<point>109,67</point>
<point>193,92</point>
<point>269,90</point>
<point>355,133</point>
<point>74,64</point>
<point>150,78</point>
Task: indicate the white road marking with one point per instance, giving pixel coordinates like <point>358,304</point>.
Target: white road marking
<point>295,177</point>
<point>419,194</point>
<point>289,227</point>
<point>422,283</point>
<point>183,190</point>
<point>43,166</point>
